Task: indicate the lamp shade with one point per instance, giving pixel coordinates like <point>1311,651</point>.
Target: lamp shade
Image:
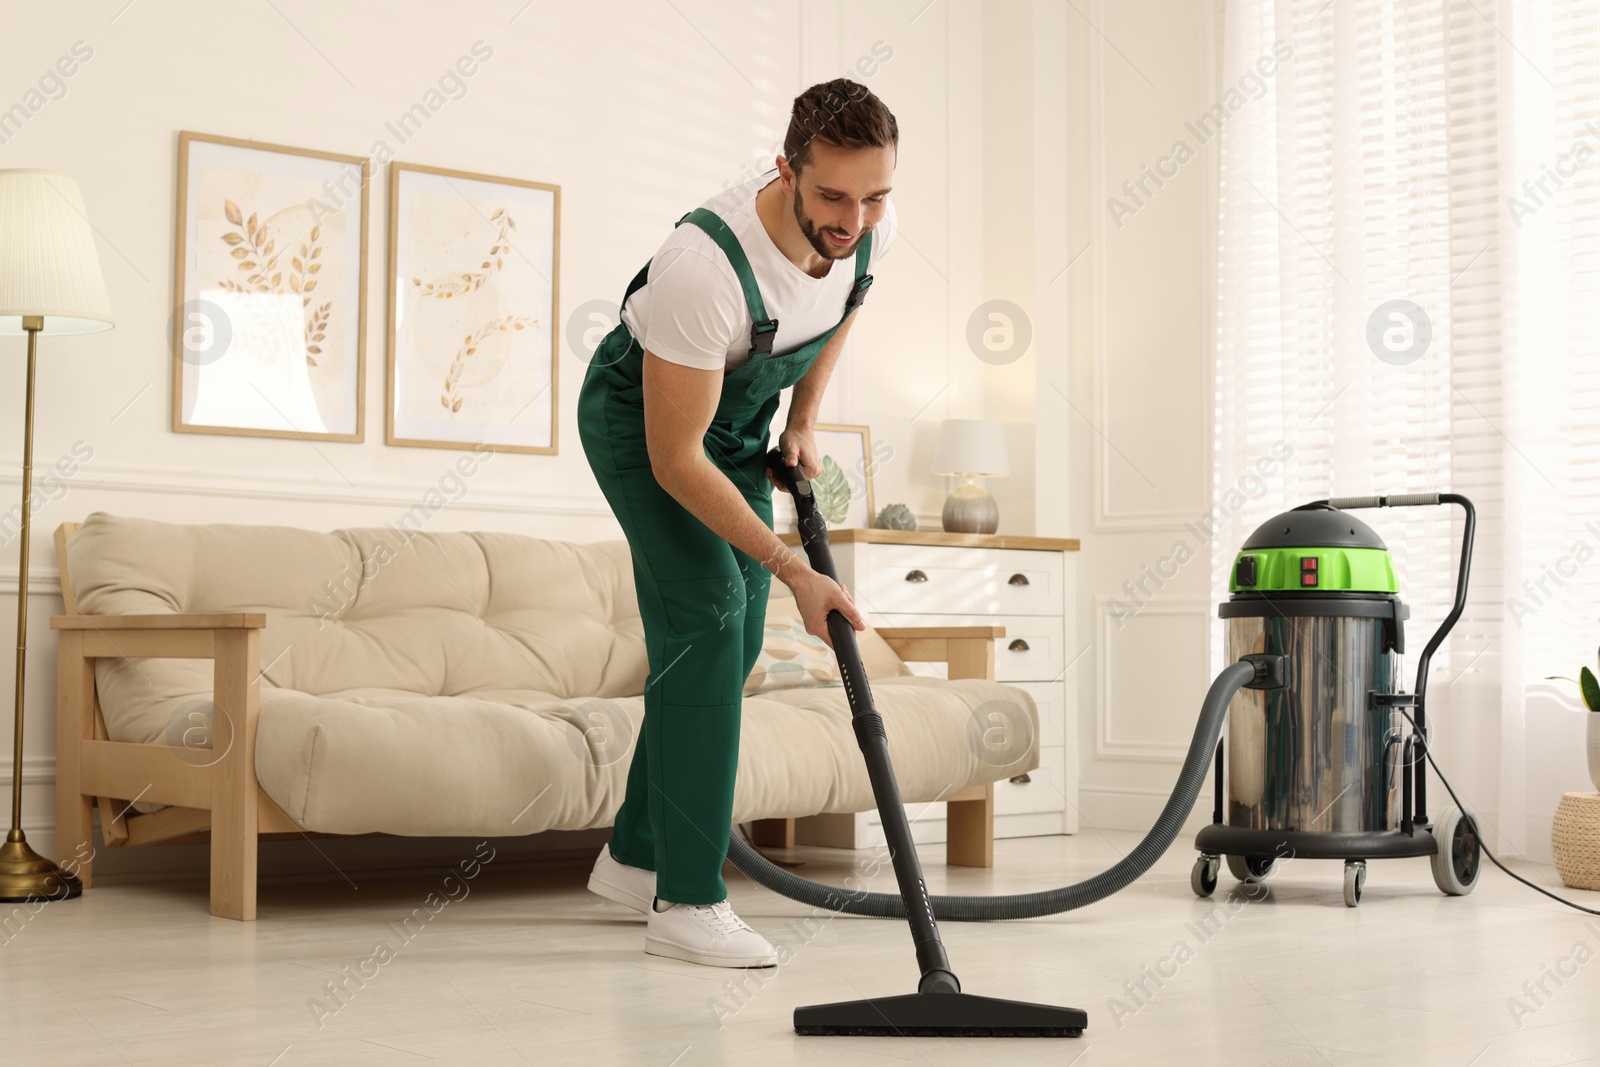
<point>971,447</point>
<point>48,263</point>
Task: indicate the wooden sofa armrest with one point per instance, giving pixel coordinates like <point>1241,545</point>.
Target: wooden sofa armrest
<point>969,650</point>
<point>88,766</point>
<point>175,636</point>
<point>214,620</point>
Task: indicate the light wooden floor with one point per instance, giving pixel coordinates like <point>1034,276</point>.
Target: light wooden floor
<point>529,968</point>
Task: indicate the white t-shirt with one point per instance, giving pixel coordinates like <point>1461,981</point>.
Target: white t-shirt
<point>691,309</point>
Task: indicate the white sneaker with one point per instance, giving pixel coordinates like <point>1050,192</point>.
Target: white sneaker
<point>710,934</point>
<point>634,887</point>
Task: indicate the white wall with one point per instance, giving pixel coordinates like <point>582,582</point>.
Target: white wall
<point>638,110</point>
<point>1124,406</point>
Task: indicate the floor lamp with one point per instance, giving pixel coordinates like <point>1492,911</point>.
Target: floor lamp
<point>49,283</point>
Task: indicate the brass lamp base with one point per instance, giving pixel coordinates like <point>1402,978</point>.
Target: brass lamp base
<point>26,875</point>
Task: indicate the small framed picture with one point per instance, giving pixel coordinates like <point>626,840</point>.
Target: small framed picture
<point>474,264</point>
<point>843,488</point>
<point>269,324</point>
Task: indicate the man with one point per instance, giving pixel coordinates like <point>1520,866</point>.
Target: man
<point>751,294</point>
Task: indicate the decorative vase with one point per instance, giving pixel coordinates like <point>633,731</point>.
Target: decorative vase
<point>1594,748</point>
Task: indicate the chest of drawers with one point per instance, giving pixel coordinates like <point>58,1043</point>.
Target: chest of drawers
<point>929,578</point>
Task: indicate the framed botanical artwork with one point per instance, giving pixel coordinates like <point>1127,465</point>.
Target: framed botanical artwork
<point>474,264</point>
<point>843,488</point>
<point>269,321</point>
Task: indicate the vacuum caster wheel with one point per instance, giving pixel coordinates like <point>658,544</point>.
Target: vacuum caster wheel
<point>1203,878</point>
<point>1455,860</point>
<point>1250,868</point>
<point>1355,876</point>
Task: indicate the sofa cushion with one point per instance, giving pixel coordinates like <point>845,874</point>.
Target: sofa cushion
<point>419,683</point>
<point>429,613</point>
<point>506,763</point>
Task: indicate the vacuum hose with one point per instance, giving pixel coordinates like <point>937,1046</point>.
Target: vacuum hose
<point>1191,778</point>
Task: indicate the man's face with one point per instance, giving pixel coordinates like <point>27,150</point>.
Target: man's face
<point>839,196</point>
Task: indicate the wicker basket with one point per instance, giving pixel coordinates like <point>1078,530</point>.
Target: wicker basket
<point>1575,840</point>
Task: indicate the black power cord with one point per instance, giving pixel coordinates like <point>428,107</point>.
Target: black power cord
<point>1481,843</point>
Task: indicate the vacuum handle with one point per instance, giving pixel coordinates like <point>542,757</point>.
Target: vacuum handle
<point>813,528</point>
<point>1401,500</point>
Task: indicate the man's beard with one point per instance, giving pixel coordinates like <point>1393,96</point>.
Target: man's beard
<point>819,240</point>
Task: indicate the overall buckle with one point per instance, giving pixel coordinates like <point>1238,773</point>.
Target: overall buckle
<point>761,335</point>
<point>858,293</point>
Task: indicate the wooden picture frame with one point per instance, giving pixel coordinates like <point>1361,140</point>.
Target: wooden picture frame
<point>848,446</point>
<point>473,305</point>
<point>246,360</point>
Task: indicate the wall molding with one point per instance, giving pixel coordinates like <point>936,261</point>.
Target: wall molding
<point>158,481</point>
<point>1106,518</point>
<point>1107,746</point>
<point>398,495</point>
<point>42,581</point>
<point>36,770</point>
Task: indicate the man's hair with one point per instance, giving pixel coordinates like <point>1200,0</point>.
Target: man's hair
<point>842,113</point>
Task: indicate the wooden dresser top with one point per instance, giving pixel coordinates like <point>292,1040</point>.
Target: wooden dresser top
<point>939,537</point>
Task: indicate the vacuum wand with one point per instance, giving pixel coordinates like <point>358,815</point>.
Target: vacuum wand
<point>938,1008</point>
<point>936,973</point>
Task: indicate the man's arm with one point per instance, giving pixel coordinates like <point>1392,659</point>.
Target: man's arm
<point>807,398</point>
<point>679,403</point>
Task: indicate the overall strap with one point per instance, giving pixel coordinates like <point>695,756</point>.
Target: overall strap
<point>858,291</point>
<point>762,328</point>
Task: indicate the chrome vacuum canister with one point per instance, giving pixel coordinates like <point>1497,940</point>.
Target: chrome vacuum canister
<point>1318,587</point>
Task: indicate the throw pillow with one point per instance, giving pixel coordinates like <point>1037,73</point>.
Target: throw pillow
<point>792,657</point>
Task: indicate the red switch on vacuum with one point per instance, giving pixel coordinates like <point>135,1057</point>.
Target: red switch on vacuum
<point>1308,570</point>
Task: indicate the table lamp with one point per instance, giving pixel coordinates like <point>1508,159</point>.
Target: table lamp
<point>970,449</point>
<point>49,283</point>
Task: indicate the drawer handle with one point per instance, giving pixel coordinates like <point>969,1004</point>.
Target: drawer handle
<point>1019,645</point>
<point>1021,779</point>
<point>916,576</point>
<point>1017,579</point>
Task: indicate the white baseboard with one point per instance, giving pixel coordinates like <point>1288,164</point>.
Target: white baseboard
<point>1133,809</point>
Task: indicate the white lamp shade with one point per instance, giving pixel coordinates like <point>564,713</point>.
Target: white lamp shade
<point>48,263</point>
<point>971,447</point>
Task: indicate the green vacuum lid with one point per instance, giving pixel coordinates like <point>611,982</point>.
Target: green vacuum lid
<point>1314,549</point>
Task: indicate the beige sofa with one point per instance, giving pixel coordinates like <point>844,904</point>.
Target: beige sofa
<point>227,683</point>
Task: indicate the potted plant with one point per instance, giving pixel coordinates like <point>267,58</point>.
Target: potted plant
<point>1589,692</point>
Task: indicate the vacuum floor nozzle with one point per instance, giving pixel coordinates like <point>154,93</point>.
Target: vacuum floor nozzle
<point>939,1015</point>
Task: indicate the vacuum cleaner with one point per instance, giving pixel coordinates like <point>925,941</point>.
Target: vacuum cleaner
<point>1325,767</point>
<point>1319,761</point>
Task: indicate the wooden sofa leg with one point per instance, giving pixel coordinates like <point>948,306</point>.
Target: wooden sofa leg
<point>74,725</point>
<point>235,807</point>
<point>969,827</point>
<point>773,833</point>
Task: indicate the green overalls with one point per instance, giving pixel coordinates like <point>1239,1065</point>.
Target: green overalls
<point>703,601</point>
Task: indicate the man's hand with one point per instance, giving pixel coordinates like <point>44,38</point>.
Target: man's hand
<point>817,596</point>
<point>798,445</point>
